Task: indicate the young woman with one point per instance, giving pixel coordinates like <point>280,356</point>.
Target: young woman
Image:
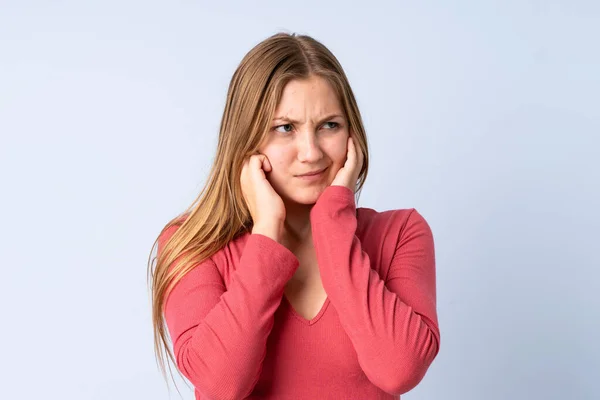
<point>273,284</point>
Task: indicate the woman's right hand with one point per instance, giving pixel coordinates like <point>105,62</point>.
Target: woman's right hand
<point>266,207</point>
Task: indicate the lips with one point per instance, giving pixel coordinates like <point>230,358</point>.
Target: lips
<point>313,173</point>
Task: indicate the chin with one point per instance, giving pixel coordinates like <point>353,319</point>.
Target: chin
<point>305,196</point>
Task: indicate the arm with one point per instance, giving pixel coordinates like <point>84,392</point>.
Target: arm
<point>219,334</point>
<point>392,324</point>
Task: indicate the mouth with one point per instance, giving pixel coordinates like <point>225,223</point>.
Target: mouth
<point>313,175</point>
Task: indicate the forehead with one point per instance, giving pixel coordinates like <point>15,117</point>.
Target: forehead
<point>314,95</point>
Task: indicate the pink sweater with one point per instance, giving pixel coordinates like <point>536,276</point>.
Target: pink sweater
<point>235,335</point>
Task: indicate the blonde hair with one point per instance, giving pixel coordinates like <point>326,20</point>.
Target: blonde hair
<point>219,213</point>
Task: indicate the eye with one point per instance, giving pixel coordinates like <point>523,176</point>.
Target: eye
<point>332,125</point>
<point>287,128</point>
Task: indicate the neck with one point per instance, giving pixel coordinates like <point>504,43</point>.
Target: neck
<point>297,223</point>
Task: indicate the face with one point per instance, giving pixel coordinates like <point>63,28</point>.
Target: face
<point>309,133</point>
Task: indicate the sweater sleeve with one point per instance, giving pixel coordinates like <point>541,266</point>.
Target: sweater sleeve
<point>219,333</point>
<point>393,324</point>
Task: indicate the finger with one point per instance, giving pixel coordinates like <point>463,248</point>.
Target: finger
<point>263,163</point>
<point>267,164</point>
<point>256,163</point>
<point>360,157</point>
<point>351,156</point>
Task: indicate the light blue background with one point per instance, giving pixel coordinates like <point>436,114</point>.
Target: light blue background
<point>485,116</point>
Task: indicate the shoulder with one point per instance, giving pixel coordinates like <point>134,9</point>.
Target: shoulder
<point>397,222</point>
<point>386,234</point>
<point>224,259</point>
<point>169,230</point>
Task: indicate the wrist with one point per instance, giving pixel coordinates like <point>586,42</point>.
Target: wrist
<point>271,231</point>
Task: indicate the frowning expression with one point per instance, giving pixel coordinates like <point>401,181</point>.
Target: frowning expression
<point>307,142</point>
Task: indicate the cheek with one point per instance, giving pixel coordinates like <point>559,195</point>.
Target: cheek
<point>279,157</point>
<point>337,150</point>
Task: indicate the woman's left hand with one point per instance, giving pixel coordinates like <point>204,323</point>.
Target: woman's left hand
<point>348,174</point>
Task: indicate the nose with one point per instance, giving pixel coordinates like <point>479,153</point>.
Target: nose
<point>309,149</point>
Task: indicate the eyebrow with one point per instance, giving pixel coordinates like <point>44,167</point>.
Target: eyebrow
<point>324,119</point>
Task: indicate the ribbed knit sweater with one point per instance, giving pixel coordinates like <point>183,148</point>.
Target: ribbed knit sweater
<point>236,336</point>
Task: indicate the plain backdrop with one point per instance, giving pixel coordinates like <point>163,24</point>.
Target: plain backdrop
<point>483,115</point>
